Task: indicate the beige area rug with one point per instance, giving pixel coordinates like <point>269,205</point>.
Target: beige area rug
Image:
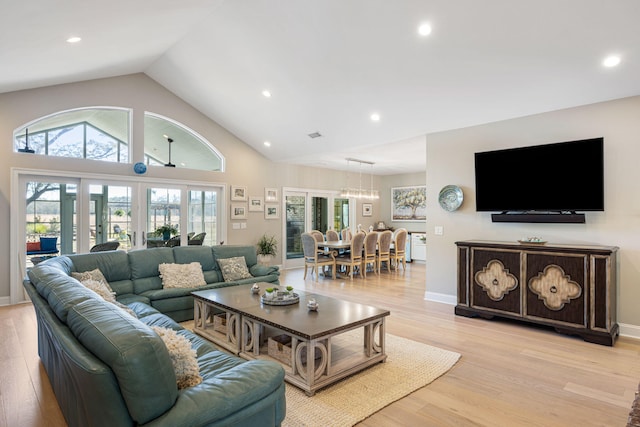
<point>410,365</point>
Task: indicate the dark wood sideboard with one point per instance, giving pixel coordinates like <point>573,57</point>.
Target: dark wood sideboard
<point>571,288</point>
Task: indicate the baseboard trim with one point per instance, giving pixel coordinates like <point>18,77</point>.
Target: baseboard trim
<point>443,298</point>
<point>5,301</point>
<point>629,331</point>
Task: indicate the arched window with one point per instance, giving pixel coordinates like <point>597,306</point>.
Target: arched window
<point>169,143</point>
<point>97,133</point>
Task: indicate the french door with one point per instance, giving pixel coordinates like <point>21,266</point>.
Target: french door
<point>307,210</point>
<point>75,214</point>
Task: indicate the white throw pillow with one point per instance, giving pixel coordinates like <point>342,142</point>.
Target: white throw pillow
<point>181,275</point>
<point>91,275</point>
<point>182,355</point>
<point>234,268</point>
<point>107,294</point>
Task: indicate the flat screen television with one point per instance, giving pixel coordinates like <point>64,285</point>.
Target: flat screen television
<point>563,177</point>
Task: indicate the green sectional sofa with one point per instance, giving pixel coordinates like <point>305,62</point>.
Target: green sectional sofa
<point>109,368</point>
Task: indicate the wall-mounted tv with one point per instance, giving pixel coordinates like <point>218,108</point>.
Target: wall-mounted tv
<point>563,177</point>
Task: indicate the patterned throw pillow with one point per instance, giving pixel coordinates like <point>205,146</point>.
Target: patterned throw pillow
<point>182,355</point>
<point>181,275</point>
<point>234,268</point>
<point>91,275</point>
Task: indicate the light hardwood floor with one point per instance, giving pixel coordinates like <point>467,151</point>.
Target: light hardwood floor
<point>509,374</point>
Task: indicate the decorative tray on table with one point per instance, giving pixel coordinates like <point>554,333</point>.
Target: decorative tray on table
<point>281,298</point>
<point>532,241</point>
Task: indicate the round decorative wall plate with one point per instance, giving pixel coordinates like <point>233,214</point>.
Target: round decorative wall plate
<point>139,168</point>
<point>450,197</point>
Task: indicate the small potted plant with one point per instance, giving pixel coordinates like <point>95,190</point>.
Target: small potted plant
<point>166,231</point>
<point>268,293</point>
<point>267,248</point>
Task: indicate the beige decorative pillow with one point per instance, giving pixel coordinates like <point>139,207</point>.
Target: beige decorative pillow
<point>182,355</point>
<point>234,268</point>
<point>107,294</point>
<point>181,275</point>
<point>91,275</point>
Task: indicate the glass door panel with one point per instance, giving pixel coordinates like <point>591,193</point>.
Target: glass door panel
<point>163,217</point>
<point>295,223</point>
<point>202,218</point>
<point>320,214</point>
<point>340,214</point>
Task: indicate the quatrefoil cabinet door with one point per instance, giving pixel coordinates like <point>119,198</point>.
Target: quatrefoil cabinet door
<point>555,287</point>
<point>496,280</point>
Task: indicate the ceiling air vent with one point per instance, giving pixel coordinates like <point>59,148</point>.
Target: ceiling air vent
<point>314,135</point>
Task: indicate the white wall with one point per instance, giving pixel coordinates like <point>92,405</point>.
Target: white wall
<point>619,225</point>
<point>245,166</point>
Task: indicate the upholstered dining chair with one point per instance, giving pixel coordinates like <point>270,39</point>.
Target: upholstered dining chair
<point>398,252</point>
<point>314,259</point>
<point>346,234</point>
<point>332,236</point>
<point>352,259</point>
<point>384,249</point>
<point>369,255</point>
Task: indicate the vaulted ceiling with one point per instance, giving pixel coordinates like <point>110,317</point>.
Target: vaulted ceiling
<point>330,64</point>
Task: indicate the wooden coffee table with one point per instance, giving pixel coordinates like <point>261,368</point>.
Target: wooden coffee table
<point>235,319</point>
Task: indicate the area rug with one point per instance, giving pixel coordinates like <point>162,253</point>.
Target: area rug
<point>410,365</point>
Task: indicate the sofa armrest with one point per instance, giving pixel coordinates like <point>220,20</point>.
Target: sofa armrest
<point>264,270</point>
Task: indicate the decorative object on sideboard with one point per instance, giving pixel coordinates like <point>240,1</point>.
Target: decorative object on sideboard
<point>450,198</point>
<point>140,168</point>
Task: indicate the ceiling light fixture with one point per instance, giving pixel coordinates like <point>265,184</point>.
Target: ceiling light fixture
<point>266,93</point>
<point>267,144</point>
<point>170,141</point>
<point>375,117</point>
<point>26,148</point>
<point>611,61</point>
<point>359,193</point>
<point>424,29</point>
<point>73,39</point>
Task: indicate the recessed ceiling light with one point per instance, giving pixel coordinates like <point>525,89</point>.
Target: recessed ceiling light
<point>267,144</point>
<point>73,39</point>
<point>424,29</point>
<point>375,117</point>
<point>611,61</point>
<point>266,93</point>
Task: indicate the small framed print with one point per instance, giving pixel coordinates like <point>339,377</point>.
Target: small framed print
<point>256,203</point>
<point>270,195</point>
<point>271,211</point>
<point>238,194</point>
<point>367,209</point>
<point>238,211</point>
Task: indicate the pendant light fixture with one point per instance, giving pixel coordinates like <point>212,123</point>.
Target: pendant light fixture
<point>359,193</point>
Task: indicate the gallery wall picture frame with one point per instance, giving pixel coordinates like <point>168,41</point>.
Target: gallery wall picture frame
<point>270,195</point>
<point>238,193</point>
<point>271,211</point>
<point>256,203</point>
<point>238,211</point>
<point>367,209</point>
<point>409,204</point>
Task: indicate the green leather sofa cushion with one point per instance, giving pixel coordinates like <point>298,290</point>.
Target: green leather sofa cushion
<point>230,251</point>
<point>114,265</point>
<point>144,262</point>
<point>201,254</point>
<point>136,354</point>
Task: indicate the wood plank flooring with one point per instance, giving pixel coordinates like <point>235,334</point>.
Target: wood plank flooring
<point>509,374</point>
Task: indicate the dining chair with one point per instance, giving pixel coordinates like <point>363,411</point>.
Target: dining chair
<point>332,236</point>
<point>369,255</point>
<point>352,259</point>
<point>398,252</point>
<point>384,249</point>
<point>314,259</point>
<point>346,234</point>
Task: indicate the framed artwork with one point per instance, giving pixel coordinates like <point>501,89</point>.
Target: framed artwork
<point>270,195</point>
<point>238,211</point>
<point>271,211</point>
<point>256,203</point>
<point>367,209</point>
<point>409,203</point>
<point>238,194</point>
